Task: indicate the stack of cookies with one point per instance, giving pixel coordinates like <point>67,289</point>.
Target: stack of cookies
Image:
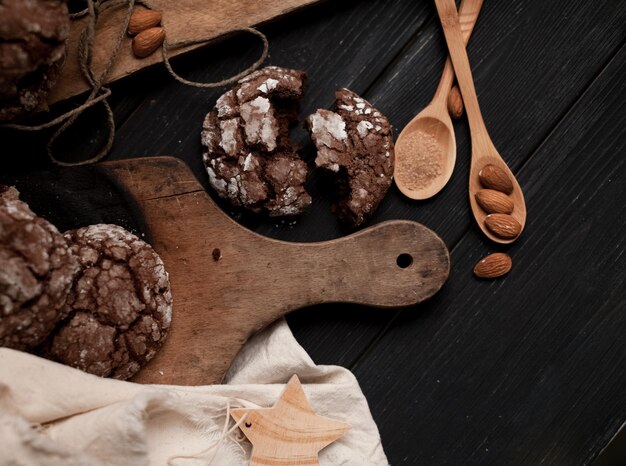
<point>97,298</point>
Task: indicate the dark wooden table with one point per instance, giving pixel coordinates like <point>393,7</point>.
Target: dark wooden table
<point>527,370</point>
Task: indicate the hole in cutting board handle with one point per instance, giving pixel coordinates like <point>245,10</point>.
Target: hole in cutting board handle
<point>404,260</point>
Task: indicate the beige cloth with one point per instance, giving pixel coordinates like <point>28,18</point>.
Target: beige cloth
<point>51,414</point>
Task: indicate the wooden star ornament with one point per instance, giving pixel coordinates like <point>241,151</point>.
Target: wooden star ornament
<point>289,433</point>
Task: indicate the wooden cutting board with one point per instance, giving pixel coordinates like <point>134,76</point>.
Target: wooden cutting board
<point>228,282</point>
<point>183,20</point>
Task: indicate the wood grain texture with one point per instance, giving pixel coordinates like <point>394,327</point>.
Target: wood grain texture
<point>288,433</point>
<point>531,62</point>
<point>530,66</point>
<point>228,282</point>
<point>183,20</point>
<point>528,369</point>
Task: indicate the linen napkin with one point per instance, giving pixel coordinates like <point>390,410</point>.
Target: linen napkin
<point>51,414</point>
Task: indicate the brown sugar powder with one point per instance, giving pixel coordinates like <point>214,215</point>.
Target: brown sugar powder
<point>421,160</point>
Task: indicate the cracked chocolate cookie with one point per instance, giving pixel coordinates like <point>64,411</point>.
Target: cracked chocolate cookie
<point>120,307</point>
<point>32,52</point>
<point>36,272</point>
<point>248,156</point>
<point>355,143</point>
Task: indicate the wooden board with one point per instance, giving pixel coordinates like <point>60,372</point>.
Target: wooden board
<point>183,20</point>
<point>228,282</point>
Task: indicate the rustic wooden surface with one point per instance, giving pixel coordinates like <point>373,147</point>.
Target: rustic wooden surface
<point>183,20</point>
<point>525,370</point>
<point>290,432</point>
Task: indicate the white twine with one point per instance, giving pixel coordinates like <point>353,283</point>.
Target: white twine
<point>215,444</point>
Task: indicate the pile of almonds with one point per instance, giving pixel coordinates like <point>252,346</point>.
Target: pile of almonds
<point>145,26</point>
<point>496,201</point>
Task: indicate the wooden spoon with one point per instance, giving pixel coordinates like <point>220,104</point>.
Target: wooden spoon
<point>430,133</point>
<point>483,150</point>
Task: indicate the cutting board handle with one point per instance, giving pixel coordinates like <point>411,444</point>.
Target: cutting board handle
<point>392,264</point>
<point>229,282</point>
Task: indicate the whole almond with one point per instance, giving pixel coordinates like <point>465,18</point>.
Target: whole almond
<point>147,42</point>
<point>142,19</point>
<point>493,266</point>
<point>455,103</point>
<point>494,202</point>
<point>503,225</point>
<point>494,177</point>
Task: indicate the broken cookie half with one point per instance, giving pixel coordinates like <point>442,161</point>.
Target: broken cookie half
<point>248,155</point>
<point>354,142</point>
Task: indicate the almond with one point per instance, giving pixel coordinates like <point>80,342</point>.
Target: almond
<point>494,177</point>
<point>142,19</point>
<point>494,202</point>
<point>493,266</point>
<point>147,42</point>
<point>503,225</point>
<point>455,103</point>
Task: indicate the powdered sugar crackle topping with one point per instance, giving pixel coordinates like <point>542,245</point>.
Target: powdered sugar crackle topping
<point>354,141</point>
<point>120,305</point>
<point>36,272</point>
<point>246,133</point>
<point>260,123</point>
<point>228,141</point>
<point>363,127</point>
<point>328,126</point>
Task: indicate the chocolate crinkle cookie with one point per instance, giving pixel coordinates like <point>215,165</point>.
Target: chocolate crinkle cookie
<point>36,272</point>
<point>248,155</point>
<point>32,52</point>
<point>354,142</point>
<point>120,307</point>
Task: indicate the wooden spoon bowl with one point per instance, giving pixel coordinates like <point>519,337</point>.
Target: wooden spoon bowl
<point>519,211</point>
<point>426,147</point>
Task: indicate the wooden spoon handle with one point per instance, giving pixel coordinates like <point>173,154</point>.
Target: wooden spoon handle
<point>456,47</point>
<point>468,14</point>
